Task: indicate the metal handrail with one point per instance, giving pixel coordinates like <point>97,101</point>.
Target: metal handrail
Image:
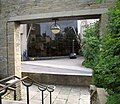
<point>37,84</point>
<point>9,85</point>
<point>5,79</point>
<point>41,87</point>
<point>4,88</point>
<point>10,88</point>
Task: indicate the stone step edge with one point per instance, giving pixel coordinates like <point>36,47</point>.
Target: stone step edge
<point>57,79</point>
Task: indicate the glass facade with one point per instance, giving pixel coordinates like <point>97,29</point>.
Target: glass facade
<point>43,43</point>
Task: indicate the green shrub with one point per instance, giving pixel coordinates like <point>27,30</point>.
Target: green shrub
<point>114,99</point>
<point>107,65</point>
<point>91,45</point>
<point>107,71</point>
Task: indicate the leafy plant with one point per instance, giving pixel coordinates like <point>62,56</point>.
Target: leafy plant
<point>109,63</point>
<point>114,99</point>
<point>107,71</point>
<point>91,45</point>
<point>107,66</point>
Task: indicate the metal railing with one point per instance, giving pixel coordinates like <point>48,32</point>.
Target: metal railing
<point>10,82</point>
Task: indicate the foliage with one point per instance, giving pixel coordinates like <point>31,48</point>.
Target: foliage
<point>109,64</point>
<point>91,44</point>
<point>100,1</point>
<point>107,67</point>
<point>107,71</point>
<point>114,99</point>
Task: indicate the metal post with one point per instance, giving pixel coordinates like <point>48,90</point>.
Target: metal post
<point>42,88</point>
<point>27,94</point>
<point>27,89</point>
<point>50,97</point>
<point>73,46</point>
<point>1,94</point>
<point>0,100</point>
<point>51,88</point>
<point>42,98</point>
<point>14,94</point>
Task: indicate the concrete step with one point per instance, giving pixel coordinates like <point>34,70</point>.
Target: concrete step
<point>60,79</point>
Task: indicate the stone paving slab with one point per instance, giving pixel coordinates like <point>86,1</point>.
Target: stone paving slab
<point>61,95</point>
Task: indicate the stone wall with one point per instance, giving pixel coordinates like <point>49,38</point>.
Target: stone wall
<point>23,7</point>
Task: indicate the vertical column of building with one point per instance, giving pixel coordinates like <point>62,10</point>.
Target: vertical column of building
<point>17,56</point>
<point>103,23</point>
<point>23,33</point>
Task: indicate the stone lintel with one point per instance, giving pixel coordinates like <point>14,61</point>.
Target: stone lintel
<point>46,17</point>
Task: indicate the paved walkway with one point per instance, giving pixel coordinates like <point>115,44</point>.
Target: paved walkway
<point>57,66</point>
<point>61,95</point>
